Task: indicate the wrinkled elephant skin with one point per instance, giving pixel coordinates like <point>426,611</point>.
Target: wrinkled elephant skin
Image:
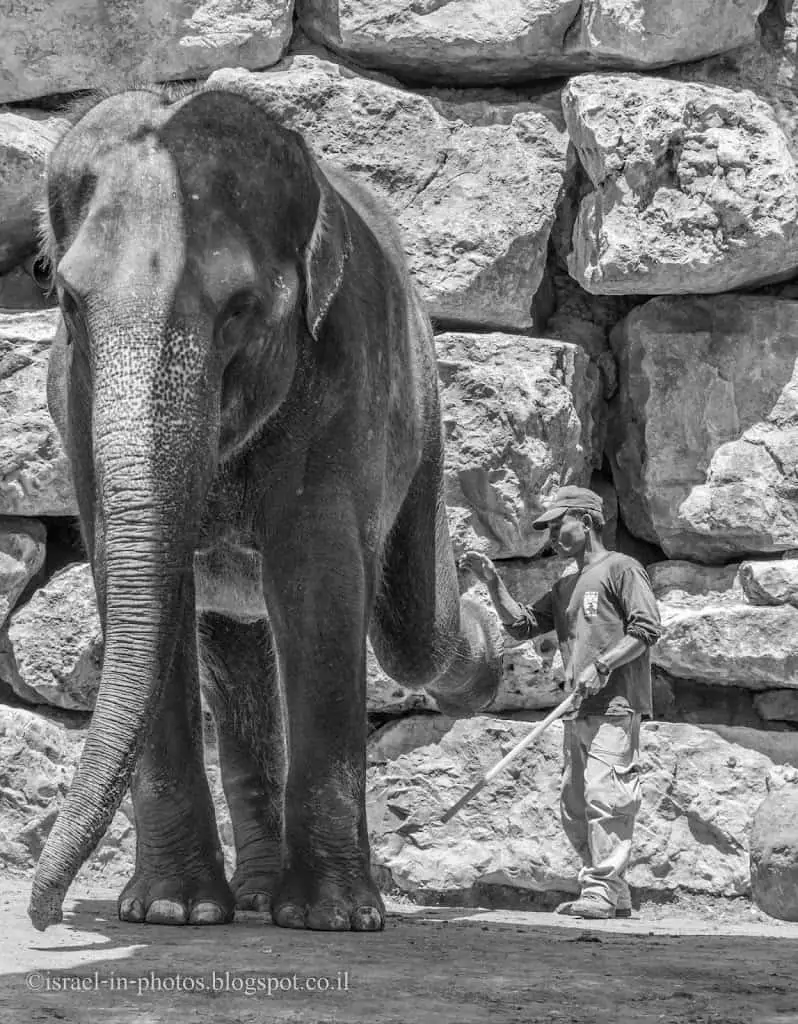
<point>245,385</point>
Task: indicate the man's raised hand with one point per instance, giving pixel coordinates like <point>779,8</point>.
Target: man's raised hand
<point>480,565</point>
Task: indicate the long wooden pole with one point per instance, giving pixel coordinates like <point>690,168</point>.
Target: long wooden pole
<point>522,744</point>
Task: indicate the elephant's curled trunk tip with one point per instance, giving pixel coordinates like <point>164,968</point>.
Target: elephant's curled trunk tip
<point>46,908</point>
<point>470,683</point>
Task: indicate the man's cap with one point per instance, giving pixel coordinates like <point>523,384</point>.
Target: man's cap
<point>568,498</point>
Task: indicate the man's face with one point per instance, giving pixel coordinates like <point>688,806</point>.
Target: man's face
<point>569,534</point>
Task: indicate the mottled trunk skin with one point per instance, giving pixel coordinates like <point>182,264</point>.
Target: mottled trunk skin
<point>145,526</point>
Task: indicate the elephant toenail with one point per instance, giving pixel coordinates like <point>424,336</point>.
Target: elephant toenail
<point>367,919</point>
<point>166,912</point>
<point>328,919</point>
<point>289,916</point>
<point>208,912</point>
<point>260,901</point>
<point>131,910</point>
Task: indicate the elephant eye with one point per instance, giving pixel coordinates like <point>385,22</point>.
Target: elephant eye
<point>40,269</point>
<point>241,309</point>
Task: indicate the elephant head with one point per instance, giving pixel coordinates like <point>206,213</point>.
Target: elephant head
<point>196,250</point>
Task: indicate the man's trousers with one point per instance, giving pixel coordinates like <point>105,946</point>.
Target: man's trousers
<point>600,798</point>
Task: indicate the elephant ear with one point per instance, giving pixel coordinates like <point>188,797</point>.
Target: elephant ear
<point>326,254</point>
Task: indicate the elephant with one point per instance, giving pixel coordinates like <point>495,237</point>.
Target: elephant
<point>244,381</point>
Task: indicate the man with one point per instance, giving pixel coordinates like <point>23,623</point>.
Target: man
<point>606,618</point>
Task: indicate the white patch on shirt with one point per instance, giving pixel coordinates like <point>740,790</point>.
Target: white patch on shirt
<point>590,603</point>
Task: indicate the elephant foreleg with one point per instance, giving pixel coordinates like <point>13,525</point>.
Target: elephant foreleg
<point>239,679</point>
<point>319,591</point>
<point>179,876</point>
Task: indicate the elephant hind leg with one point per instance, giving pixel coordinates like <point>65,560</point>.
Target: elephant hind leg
<point>239,679</point>
<point>423,632</point>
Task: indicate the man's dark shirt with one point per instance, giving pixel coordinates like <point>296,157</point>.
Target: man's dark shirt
<point>592,611</point>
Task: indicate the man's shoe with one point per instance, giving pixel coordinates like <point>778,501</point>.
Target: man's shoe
<point>587,906</point>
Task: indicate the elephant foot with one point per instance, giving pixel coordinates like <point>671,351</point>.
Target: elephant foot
<point>304,901</point>
<point>253,885</point>
<point>152,898</point>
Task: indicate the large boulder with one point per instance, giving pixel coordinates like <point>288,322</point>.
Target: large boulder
<point>478,42</point>
<point>774,854</point>
<point>765,582</point>
<point>473,184</point>
<point>779,745</point>
<point>51,650</point>
<point>520,418</point>
<point>703,432</point>
<point>651,33</point>
<point>678,580</point>
<point>26,137</point>
<point>712,635</point>
<point>694,187</point>
<point>765,67</point>
<point>22,554</point>
<point>34,472</point>
<point>699,795</point>
<point>38,757</point>
<point>73,45</point>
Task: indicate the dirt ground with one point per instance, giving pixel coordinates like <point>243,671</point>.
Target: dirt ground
<point>721,964</point>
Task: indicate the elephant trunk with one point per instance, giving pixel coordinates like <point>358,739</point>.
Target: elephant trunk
<point>145,535</point>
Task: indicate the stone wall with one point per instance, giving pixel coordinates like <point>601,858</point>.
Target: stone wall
<point>599,204</point>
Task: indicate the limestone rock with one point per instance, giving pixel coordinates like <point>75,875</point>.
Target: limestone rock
<point>529,579</point>
<point>38,757</point>
<point>484,42</point>
<point>695,188</point>
<point>34,472</point>
<point>22,554</point>
<point>699,795</point>
<point>518,418</point>
<point>463,42</point>
<point>532,677</point>
<point>774,854</point>
<point>51,650</point>
<point>703,434</point>
<point>778,705</point>
<point>728,643</point>
<point>473,184</point>
<point>678,580</point>
<point>26,137</point>
<point>652,33</point>
<point>765,67</point>
<point>713,636</point>
<point>405,734</point>
<point>770,582</point>
<point>73,45</point>
<point>780,746</point>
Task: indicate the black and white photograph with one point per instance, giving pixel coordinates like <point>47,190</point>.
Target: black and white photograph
<point>399,511</point>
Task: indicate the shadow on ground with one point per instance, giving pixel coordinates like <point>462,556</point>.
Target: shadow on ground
<point>430,966</point>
